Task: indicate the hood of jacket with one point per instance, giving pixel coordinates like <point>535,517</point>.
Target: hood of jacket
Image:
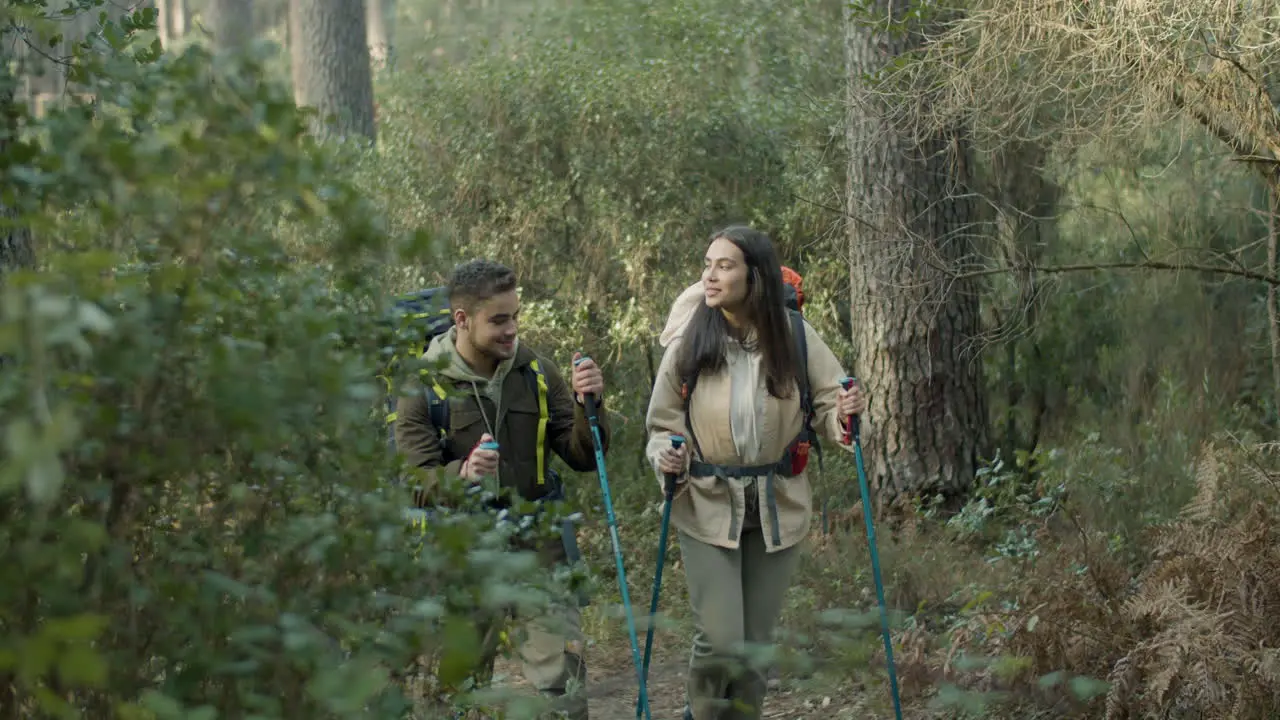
<point>443,352</point>
<point>681,313</point>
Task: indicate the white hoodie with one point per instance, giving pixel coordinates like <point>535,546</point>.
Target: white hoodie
<point>747,379</point>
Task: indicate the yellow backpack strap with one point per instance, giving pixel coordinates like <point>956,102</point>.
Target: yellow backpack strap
<point>386,380</point>
<point>440,393</point>
<point>542,421</point>
<point>391,403</point>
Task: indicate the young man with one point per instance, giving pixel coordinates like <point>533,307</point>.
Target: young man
<point>486,375</point>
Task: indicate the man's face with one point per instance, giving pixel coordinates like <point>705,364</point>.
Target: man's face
<point>492,325</point>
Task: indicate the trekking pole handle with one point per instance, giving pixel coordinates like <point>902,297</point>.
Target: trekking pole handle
<point>853,432</point>
<point>677,441</point>
<point>588,399</point>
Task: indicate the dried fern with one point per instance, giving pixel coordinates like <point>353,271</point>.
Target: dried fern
<point>1203,504</point>
<point>1197,636</point>
<point>1210,598</point>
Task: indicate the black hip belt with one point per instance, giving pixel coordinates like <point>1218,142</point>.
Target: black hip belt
<point>793,462</point>
<point>697,468</point>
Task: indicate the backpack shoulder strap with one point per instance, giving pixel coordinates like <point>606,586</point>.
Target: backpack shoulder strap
<point>802,357</point>
<point>802,380</point>
<point>438,410</point>
<point>539,380</point>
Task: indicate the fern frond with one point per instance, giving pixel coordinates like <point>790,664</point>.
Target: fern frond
<point>1123,677</point>
<point>1203,504</point>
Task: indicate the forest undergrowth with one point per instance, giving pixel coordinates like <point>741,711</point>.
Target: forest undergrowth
<point>1042,613</point>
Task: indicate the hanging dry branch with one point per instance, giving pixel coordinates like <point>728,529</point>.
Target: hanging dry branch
<point>1081,70</point>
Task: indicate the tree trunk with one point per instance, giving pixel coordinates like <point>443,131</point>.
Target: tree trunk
<point>16,252</point>
<point>1026,203</point>
<point>42,71</point>
<point>331,64</point>
<point>378,35</point>
<point>296,58</point>
<point>172,21</point>
<point>178,19</point>
<point>909,219</point>
<point>163,12</point>
<point>230,22</point>
<point>1273,310</point>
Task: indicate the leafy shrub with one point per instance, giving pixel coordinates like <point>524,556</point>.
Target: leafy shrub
<point>199,518</point>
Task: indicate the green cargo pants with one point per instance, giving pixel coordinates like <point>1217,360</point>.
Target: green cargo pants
<point>552,656</point>
<point>737,597</point>
<point>551,649</point>
<point>551,646</point>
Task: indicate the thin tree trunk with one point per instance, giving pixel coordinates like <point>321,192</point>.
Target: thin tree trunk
<point>296,55</point>
<point>178,19</point>
<point>16,251</point>
<point>1026,202</point>
<point>379,37</point>
<point>1273,312</point>
<point>230,22</point>
<point>164,19</point>
<point>909,218</point>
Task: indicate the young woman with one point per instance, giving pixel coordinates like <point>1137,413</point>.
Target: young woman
<point>731,382</point>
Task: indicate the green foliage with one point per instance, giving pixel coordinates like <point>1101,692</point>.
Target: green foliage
<point>200,513</point>
<point>197,504</point>
<point>584,134</point>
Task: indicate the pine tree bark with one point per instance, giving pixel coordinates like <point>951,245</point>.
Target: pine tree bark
<point>331,68</point>
<point>927,421</point>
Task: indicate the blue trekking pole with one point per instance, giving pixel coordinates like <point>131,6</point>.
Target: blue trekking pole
<point>593,418</point>
<point>670,491</point>
<point>854,434</point>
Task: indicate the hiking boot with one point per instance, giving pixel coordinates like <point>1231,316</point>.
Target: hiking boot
<point>565,707</point>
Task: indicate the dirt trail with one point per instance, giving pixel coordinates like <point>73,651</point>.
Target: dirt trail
<point>611,692</point>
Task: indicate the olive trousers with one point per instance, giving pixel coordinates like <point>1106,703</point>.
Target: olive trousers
<point>737,596</point>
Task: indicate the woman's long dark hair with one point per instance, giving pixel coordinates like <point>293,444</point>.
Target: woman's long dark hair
<point>703,349</point>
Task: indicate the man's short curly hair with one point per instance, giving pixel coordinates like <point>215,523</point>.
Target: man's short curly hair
<point>474,282</point>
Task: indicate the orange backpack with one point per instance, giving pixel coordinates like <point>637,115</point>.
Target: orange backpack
<point>794,288</point>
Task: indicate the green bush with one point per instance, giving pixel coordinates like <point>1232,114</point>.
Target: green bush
<point>199,517</point>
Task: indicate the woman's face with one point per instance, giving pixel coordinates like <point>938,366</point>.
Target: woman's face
<point>724,277</point>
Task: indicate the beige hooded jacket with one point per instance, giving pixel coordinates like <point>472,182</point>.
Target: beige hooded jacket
<point>737,422</point>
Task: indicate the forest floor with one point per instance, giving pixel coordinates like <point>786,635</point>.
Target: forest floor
<point>612,689</point>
